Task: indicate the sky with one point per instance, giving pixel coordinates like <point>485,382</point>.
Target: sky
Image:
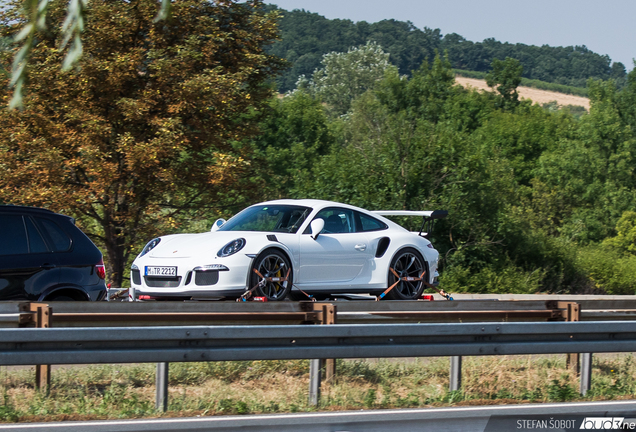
<point>605,27</point>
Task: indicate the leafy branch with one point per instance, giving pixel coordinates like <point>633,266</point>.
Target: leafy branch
<point>71,30</point>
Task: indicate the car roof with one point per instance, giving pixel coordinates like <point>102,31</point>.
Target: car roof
<point>310,203</point>
<point>22,209</point>
<point>320,204</point>
<point>32,210</point>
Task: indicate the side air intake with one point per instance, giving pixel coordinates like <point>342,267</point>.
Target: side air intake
<point>383,245</point>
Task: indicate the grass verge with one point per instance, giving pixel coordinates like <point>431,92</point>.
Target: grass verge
<point>221,388</point>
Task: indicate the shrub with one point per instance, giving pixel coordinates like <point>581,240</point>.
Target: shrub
<point>608,269</point>
<point>489,279</point>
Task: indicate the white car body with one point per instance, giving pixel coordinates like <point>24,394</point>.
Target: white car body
<point>333,262</point>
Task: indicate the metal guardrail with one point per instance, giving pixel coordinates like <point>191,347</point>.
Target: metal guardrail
<point>216,343</point>
<point>131,314</point>
<point>230,343</point>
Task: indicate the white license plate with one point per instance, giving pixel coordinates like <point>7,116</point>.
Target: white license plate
<point>161,271</point>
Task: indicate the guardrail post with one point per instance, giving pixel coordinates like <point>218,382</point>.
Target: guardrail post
<point>571,312</point>
<point>586,372</point>
<point>314,381</point>
<point>323,313</point>
<point>161,383</point>
<point>42,319</point>
<point>455,373</point>
<point>329,317</point>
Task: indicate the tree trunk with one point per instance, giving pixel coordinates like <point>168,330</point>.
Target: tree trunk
<point>115,255</point>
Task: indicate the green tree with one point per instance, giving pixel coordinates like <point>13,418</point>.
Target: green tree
<point>149,125</point>
<point>505,77</point>
<point>294,135</point>
<point>591,170</point>
<point>625,239</point>
<point>345,76</point>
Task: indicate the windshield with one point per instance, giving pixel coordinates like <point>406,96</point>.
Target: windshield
<point>268,218</point>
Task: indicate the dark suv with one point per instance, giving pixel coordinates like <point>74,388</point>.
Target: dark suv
<point>44,256</point>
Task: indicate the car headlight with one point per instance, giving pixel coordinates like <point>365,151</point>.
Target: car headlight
<point>150,246</point>
<point>231,248</point>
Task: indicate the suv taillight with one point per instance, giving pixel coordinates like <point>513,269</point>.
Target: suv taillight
<point>100,269</point>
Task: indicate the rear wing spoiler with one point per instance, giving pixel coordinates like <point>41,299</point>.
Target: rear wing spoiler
<point>427,217</point>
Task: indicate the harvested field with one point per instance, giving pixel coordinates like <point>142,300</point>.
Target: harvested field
<point>535,95</point>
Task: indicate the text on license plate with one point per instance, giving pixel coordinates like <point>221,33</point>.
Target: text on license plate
<point>161,271</point>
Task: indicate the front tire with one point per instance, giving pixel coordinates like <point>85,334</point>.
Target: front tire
<point>407,263</point>
<point>272,264</point>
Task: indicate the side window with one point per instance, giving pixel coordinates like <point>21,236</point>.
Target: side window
<point>36,242</point>
<point>13,238</point>
<point>368,223</point>
<point>337,220</point>
<point>59,239</point>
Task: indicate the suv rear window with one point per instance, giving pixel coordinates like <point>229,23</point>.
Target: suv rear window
<point>13,238</point>
<point>60,241</point>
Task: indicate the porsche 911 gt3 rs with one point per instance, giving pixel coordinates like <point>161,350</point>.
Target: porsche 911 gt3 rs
<point>291,248</point>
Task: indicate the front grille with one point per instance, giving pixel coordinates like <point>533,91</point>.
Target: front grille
<point>162,282</point>
<point>136,276</point>
<point>206,277</point>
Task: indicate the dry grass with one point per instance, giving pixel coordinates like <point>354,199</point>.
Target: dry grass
<point>116,391</point>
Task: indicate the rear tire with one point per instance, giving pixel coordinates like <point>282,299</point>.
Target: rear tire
<point>272,263</point>
<point>407,263</point>
<point>62,298</point>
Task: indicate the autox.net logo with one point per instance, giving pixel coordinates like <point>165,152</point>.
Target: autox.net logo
<point>608,423</point>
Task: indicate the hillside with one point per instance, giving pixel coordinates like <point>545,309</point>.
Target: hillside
<point>307,36</point>
<point>536,95</point>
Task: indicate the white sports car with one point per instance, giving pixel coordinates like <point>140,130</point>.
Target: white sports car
<point>291,248</point>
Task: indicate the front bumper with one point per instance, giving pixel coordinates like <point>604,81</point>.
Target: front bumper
<point>193,280</point>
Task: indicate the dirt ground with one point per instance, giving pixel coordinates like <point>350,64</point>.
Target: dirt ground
<point>536,95</point>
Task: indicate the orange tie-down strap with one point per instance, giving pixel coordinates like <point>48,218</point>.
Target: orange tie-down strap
<point>247,294</point>
<point>310,297</point>
<point>412,279</point>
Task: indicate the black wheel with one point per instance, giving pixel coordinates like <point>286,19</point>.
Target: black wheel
<point>407,263</point>
<point>276,275</point>
<point>62,298</point>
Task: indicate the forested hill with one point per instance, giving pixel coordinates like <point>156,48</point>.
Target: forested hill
<point>307,36</point>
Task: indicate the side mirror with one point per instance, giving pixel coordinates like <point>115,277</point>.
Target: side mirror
<point>316,226</point>
<point>217,224</point>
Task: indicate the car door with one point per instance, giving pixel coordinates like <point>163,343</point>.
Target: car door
<point>338,255</point>
<point>27,265</point>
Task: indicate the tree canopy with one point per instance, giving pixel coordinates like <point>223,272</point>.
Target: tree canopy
<point>147,126</point>
<point>538,200</point>
<point>345,76</point>
<point>166,125</point>
<point>306,37</point>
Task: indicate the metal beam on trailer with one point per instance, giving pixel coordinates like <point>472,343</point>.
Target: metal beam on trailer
<point>118,314</point>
